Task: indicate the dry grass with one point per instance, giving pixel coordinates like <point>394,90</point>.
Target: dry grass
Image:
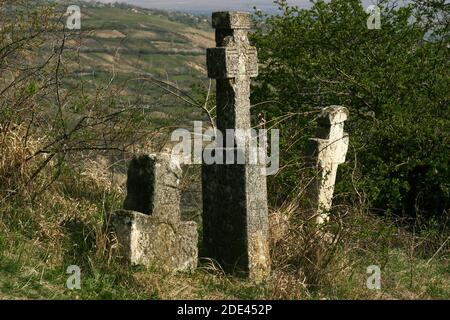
<point>16,147</point>
<point>65,224</point>
<point>331,262</point>
<point>46,210</point>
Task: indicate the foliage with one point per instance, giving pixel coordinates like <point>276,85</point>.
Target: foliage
<point>394,81</point>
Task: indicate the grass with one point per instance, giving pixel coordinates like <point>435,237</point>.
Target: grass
<point>121,44</point>
<point>46,227</point>
<point>147,38</point>
<point>41,236</point>
<point>27,274</point>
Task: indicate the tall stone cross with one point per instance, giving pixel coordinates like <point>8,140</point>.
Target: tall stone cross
<point>327,151</point>
<point>233,63</point>
<point>235,213</point>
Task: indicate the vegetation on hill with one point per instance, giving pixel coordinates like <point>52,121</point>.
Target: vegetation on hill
<point>119,44</point>
<point>74,106</point>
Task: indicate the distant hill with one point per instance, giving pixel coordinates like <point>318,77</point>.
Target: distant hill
<point>125,42</point>
<point>137,40</point>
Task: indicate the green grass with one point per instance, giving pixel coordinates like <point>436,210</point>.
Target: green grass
<point>42,232</point>
<point>33,264</point>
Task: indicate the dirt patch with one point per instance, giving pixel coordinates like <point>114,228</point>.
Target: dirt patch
<point>141,34</point>
<point>107,34</point>
<point>196,66</point>
<point>200,38</point>
<point>174,47</point>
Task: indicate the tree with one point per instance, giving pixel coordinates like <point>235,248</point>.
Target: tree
<point>394,81</point>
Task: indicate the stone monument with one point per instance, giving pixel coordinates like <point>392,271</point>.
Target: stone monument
<point>149,229</point>
<point>326,152</point>
<point>235,213</point>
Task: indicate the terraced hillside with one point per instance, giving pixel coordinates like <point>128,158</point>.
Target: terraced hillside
<point>125,43</point>
<point>137,41</point>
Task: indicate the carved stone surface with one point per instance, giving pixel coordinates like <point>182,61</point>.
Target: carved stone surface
<point>152,186</point>
<point>235,213</point>
<point>232,64</point>
<point>231,20</point>
<point>229,63</point>
<point>146,240</point>
<point>326,152</point>
<point>235,218</point>
<point>150,231</point>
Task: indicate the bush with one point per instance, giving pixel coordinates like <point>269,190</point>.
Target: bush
<point>393,80</point>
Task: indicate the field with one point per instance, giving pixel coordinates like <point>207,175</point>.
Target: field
<point>124,44</point>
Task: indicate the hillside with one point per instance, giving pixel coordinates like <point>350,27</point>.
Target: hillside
<point>119,43</point>
<point>141,41</point>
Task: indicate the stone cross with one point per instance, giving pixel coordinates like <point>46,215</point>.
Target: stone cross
<point>233,63</point>
<point>327,151</point>
<point>149,230</point>
<point>235,213</point>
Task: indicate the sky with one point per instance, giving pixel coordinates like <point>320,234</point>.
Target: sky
<point>207,6</point>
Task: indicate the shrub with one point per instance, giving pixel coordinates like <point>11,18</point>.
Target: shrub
<point>393,80</point>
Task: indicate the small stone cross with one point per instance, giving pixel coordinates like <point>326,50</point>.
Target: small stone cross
<point>327,151</point>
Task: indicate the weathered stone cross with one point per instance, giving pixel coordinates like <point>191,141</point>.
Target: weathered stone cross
<point>235,213</point>
<point>232,64</point>
<point>327,151</point>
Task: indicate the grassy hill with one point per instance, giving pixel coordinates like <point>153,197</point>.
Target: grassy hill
<point>120,43</point>
<point>141,41</point>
